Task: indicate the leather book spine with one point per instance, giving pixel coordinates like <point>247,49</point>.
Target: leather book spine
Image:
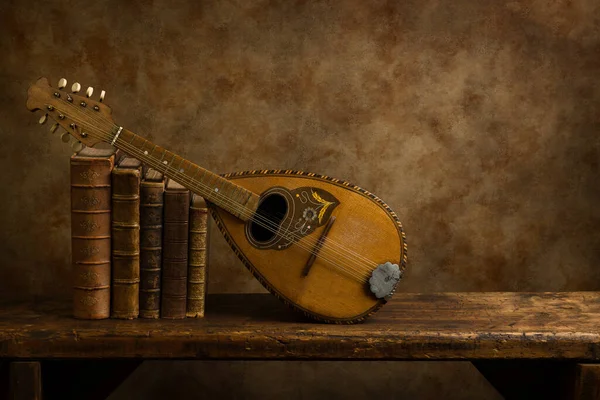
<point>90,235</point>
<point>151,220</point>
<point>197,257</point>
<point>125,242</point>
<point>175,253</point>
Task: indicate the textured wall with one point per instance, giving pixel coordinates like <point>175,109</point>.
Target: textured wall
<point>476,121</point>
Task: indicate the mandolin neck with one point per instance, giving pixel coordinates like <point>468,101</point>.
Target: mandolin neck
<point>232,198</point>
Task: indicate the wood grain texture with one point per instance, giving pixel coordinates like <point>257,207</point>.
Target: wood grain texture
<point>449,326</point>
<point>367,233</point>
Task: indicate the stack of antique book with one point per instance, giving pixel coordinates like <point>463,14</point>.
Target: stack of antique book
<point>139,240</point>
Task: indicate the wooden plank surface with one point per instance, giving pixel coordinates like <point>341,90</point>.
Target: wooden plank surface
<point>412,326</point>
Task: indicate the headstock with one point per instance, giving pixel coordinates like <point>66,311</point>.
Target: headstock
<point>86,120</point>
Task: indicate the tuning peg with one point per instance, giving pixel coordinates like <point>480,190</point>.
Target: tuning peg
<point>65,137</point>
<point>89,91</point>
<point>77,146</point>
<point>43,120</point>
<point>62,83</point>
<point>102,93</point>
<point>76,87</point>
<point>54,127</point>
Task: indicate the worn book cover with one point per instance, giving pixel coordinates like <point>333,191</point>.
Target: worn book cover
<point>151,221</point>
<point>126,238</point>
<point>175,251</point>
<point>197,257</point>
<point>91,232</point>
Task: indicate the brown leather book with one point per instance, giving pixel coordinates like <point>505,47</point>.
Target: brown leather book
<point>90,232</point>
<point>175,251</point>
<point>151,219</point>
<point>126,238</point>
<point>197,257</point>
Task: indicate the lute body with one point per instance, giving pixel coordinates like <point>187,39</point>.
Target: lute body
<point>325,247</point>
<point>363,224</point>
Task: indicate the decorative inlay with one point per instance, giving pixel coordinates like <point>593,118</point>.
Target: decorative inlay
<point>308,208</point>
<point>151,198</point>
<point>152,240</point>
<point>324,205</point>
<point>153,282</point>
<point>90,275</point>
<point>89,251</point>
<point>89,226</point>
<point>272,289</point>
<point>89,175</point>
<point>90,201</point>
<point>152,262</point>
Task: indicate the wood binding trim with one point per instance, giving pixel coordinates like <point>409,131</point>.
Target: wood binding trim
<point>344,184</point>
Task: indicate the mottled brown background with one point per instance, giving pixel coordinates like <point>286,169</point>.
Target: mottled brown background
<point>477,122</point>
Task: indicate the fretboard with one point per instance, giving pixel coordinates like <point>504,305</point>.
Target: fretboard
<point>223,193</point>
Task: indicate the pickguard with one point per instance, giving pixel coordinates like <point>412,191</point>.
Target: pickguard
<point>308,208</point>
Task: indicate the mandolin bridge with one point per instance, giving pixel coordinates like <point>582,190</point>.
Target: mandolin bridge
<point>285,216</point>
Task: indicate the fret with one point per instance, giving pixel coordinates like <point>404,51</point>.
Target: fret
<point>238,192</point>
<point>247,199</point>
<point>231,191</point>
<point>204,176</point>
<point>228,195</point>
<point>179,166</point>
<point>224,187</point>
<point>198,169</point>
<point>189,166</point>
<point>122,136</point>
<point>219,186</point>
<point>132,141</point>
<point>158,150</point>
<point>170,162</point>
<point>198,184</point>
<point>211,178</point>
<point>244,196</point>
<point>142,147</point>
<point>182,169</point>
<point>209,188</point>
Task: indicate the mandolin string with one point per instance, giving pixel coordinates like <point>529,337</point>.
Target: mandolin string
<point>103,136</point>
<point>106,123</point>
<point>325,256</point>
<point>331,243</point>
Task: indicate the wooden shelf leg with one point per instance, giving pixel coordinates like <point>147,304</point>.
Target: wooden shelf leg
<point>25,380</point>
<point>587,382</point>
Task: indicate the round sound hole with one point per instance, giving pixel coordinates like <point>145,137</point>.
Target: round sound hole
<point>270,213</point>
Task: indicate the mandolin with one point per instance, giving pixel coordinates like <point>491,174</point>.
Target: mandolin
<point>323,246</point>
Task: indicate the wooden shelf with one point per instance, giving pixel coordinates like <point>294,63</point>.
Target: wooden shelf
<point>412,326</point>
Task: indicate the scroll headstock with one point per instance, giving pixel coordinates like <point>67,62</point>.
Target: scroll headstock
<point>86,120</point>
